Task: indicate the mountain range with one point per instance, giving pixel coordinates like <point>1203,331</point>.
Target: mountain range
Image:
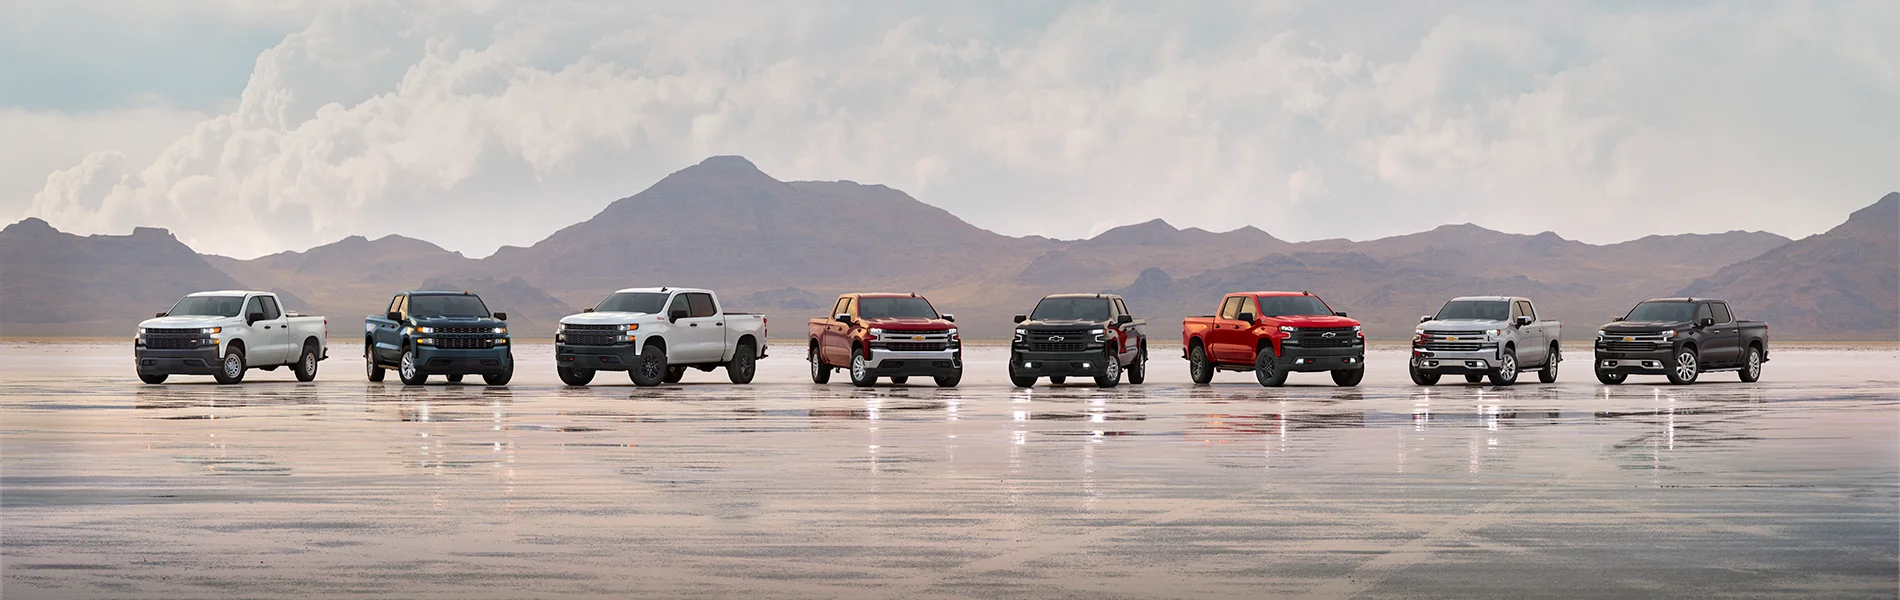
<point>787,248</point>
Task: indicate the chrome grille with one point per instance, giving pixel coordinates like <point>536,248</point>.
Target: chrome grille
<point>1622,346</point>
<point>1454,346</point>
<point>918,346</point>
<point>1454,333</point>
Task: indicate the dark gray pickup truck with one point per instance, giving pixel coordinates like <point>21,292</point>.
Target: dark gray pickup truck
<point>1680,338</point>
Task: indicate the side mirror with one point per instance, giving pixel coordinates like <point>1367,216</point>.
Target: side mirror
<point>1339,314</point>
<point>675,315</point>
<point>1615,319</point>
<point>253,318</point>
<point>1424,318</point>
<point>1705,322</point>
<point>1246,316</point>
<point>1018,318</point>
<point>159,316</point>
<point>501,316</point>
<point>393,316</point>
<point>1124,319</point>
<point>587,310</point>
<point>1523,319</point>
<point>842,318</point>
<point>949,317</point>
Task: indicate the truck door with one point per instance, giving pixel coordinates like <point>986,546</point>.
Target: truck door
<point>261,346</point>
<point>1223,341</point>
<point>1723,344</point>
<point>386,335</point>
<point>704,327</point>
<point>277,324</point>
<point>836,340</point>
<point>1532,345</point>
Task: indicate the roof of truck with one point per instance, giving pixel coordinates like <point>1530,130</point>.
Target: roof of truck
<point>1102,296</point>
<point>1271,294</point>
<point>886,295</point>
<point>661,290</point>
<point>1491,298</point>
<point>437,293</point>
<point>226,293</point>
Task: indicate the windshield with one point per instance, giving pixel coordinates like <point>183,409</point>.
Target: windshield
<point>1481,310</point>
<point>895,308</point>
<point>1071,309</point>
<point>1667,312</point>
<point>446,306</point>
<point>640,302</point>
<point>1286,306</point>
<point>207,306</point>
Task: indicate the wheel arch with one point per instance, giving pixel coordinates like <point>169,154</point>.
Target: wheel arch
<point>745,340</point>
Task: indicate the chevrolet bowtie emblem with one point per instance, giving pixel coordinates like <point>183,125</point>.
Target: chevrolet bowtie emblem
<point>916,338</point>
<point>1451,338</point>
<point>1055,338</point>
<point>1629,339</point>
<point>1328,334</point>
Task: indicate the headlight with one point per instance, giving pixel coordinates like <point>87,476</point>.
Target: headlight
<point>1022,331</point>
<point>630,327</point>
<point>1355,328</point>
<point>206,331</point>
<point>426,341</point>
<point>142,331</point>
<point>1289,328</point>
<point>1097,331</point>
<point>425,330</point>
<point>501,341</point>
<point>501,330</point>
<point>1492,332</point>
<point>1669,334</point>
<point>876,333</point>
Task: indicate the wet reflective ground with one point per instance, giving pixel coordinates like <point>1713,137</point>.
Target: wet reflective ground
<point>781,489</point>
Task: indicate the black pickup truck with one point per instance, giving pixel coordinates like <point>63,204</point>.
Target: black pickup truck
<point>438,333</point>
<point>1081,335</point>
<point>1681,338</point>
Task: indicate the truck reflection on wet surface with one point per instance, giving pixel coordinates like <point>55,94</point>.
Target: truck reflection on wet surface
<point>785,489</point>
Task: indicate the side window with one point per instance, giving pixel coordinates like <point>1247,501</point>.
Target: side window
<point>253,306</point>
<point>1250,305</point>
<point>1721,312</point>
<point>679,303</point>
<point>1517,310</point>
<point>402,306</point>
<point>701,304</point>
<point>1524,308</point>
<point>1702,312</point>
<point>1230,309</point>
<point>271,312</point>
<point>395,304</point>
<point>838,308</point>
<point>1120,307</point>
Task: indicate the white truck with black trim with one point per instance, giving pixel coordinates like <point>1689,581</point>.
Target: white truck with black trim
<point>223,333</point>
<point>655,334</point>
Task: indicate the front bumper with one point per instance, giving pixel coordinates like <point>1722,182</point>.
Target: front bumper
<point>1650,362</point>
<point>1298,359</point>
<point>927,363</point>
<point>1483,360</point>
<point>447,361</point>
<point>1046,364</point>
<point>191,361</point>
<point>618,357</point>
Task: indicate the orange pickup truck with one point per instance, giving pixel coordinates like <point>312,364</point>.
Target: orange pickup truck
<point>1273,334</point>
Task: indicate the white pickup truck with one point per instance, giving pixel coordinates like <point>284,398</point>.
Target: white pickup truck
<point>223,333</point>
<point>655,334</point>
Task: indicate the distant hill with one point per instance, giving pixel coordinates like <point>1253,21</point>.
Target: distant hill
<point>60,284</point>
<point>349,278</point>
<point>1842,284</point>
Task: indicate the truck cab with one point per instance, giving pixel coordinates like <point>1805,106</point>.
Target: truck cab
<point>1485,336</point>
<point>656,334</point>
<point>427,333</point>
<point>224,333</point>
<point>1680,338</point>
<point>885,335</point>
<point>1079,335</point>
<point>1273,334</point>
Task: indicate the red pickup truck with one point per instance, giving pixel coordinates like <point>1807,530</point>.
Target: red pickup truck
<point>886,335</point>
<point>1273,334</point>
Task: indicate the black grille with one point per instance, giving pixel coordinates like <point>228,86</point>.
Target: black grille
<point>170,343</point>
<point>464,330</point>
<point>1316,337</point>
<point>591,335</point>
<point>189,333</point>
<point>1630,346</point>
<point>917,346</point>
<point>464,343</point>
<point>1057,346</point>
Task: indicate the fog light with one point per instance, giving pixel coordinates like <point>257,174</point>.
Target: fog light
<point>1029,365</point>
<point>1085,365</point>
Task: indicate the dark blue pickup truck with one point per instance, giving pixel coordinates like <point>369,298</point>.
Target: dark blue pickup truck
<point>438,333</point>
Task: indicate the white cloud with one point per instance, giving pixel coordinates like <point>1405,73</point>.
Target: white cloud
<point>476,128</point>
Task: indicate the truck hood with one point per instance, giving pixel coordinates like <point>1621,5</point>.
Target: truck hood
<point>909,324</point>
<point>187,322</point>
<point>1462,325</point>
<point>1315,321</point>
<point>458,322</point>
<point>1062,325</point>
<point>607,318</point>
<point>1624,327</point>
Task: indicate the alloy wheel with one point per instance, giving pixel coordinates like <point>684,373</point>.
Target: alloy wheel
<point>1754,364</point>
<point>408,366</point>
<point>1507,369</point>
<point>1685,366</point>
<point>858,368</point>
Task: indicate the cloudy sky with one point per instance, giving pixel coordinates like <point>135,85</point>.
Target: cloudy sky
<point>249,127</point>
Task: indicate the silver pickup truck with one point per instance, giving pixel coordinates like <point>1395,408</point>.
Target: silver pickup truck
<point>1480,336</point>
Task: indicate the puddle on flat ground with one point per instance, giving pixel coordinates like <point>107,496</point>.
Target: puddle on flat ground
<point>786,489</point>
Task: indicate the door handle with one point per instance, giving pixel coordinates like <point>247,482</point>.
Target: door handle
<point>692,324</point>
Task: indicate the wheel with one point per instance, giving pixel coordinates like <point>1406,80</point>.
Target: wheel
<point>899,379</point>
<point>950,380</point>
<point>408,371</point>
<point>375,371</point>
<point>306,367</point>
<point>861,374</point>
<point>1611,378</point>
<point>1751,366</point>
<point>1057,379</point>
<point>574,376</point>
<point>501,378</point>
<point>1474,377</point>
<point>1548,374</point>
<point>1421,377</point>
<point>652,368</point>
<point>1685,369</point>
<point>152,377</point>
<point>1348,377</point>
<point>1264,371</point>
<point>745,364</point>
<point>1022,381</point>
<point>675,374</point>
<point>231,369</point>
<point>1199,368</point>
<point>1110,375</point>
<point>1138,371</point>
<point>819,372</point>
<point>454,378</point>
<point>1506,373</point>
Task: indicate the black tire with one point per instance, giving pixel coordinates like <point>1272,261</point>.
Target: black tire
<point>1348,377</point>
<point>408,371</point>
<point>950,380</point>
<point>1506,373</point>
<point>453,377</point>
<point>574,376</point>
<point>1200,369</point>
<point>1138,370</point>
<point>1685,366</point>
<point>1751,364</point>
<point>651,370</point>
<point>675,374</point>
<point>1110,373</point>
<point>1022,381</point>
<point>306,367</point>
<point>1474,377</point>
<point>152,378</point>
<point>1421,377</point>
<point>861,373</point>
<point>1611,378</point>
<point>1548,374</point>
<point>900,379</point>
<point>501,378</point>
<point>1058,379</point>
<point>370,368</point>
<point>820,372</point>
<point>231,368</point>
<point>744,365</point>
<point>1264,371</point>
